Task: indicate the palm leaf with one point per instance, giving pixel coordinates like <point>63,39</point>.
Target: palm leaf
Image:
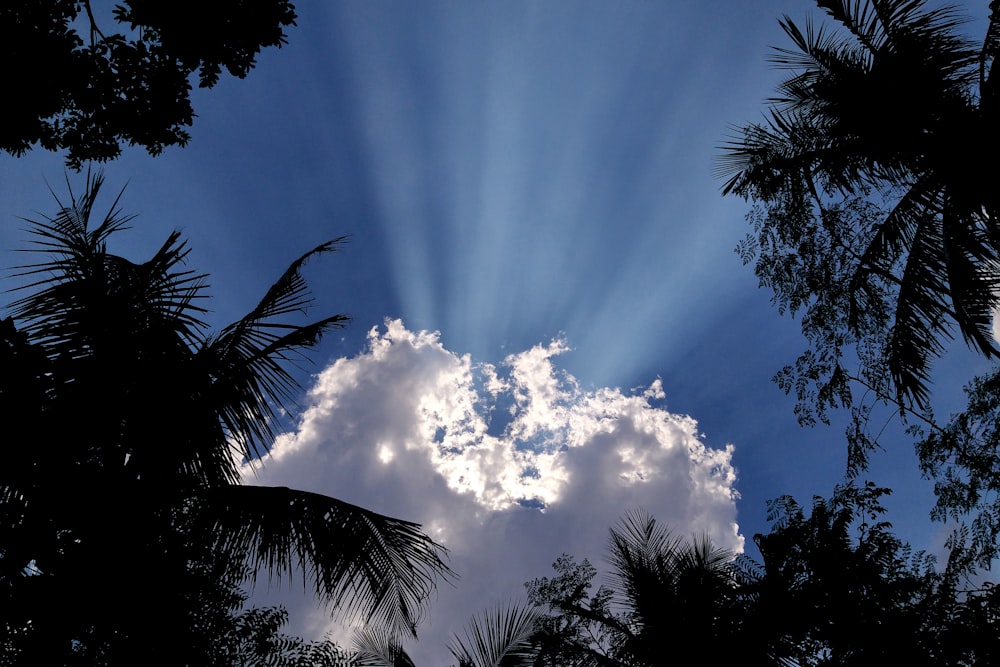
<point>642,554</point>
<point>760,160</point>
<point>670,587</point>
<point>500,637</point>
<point>375,647</point>
<point>973,277</point>
<point>376,566</point>
<point>248,359</point>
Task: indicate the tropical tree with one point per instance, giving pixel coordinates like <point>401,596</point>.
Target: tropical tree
<point>663,592</point>
<point>876,219</point>
<point>886,113</point>
<point>833,586</point>
<point>837,587</point>
<point>89,79</point>
<point>136,421</point>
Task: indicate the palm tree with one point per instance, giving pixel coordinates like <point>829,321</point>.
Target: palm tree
<point>671,588</point>
<point>875,170</point>
<point>135,421</point>
<point>663,593</point>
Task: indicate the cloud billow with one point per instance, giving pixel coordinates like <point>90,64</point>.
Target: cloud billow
<point>507,465</point>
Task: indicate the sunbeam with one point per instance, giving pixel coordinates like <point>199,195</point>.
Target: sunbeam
<point>551,190</point>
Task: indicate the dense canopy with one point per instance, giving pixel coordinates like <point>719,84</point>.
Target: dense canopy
<point>88,83</point>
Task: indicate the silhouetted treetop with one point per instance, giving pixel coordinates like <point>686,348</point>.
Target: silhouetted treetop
<point>875,220</point>
<point>140,418</point>
<point>88,81</point>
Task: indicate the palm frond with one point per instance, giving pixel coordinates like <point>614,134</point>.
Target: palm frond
<point>760,159</point>
<point>669,587</point>
<point>922,318</point>
<point>376,647</point>
<point>248,358</point>
<point>642,554</point>
<point>500,637</point>
<point>949,263</point>
<point>358,561</point>
<point>883,25</point>
<point>818,53</point>
<point>869,22</point>
<point>82,292</point>
<point>991,46</point>
<point>918,205</point>
<point>290,293</point>
<point>874,92</point>
<point>705,556</point>
<point>973,279</point>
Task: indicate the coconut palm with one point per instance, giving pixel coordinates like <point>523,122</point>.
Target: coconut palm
<point>663,592</point>
<point>671,588</point>
<point>136,421</point>
<point>893,111</point>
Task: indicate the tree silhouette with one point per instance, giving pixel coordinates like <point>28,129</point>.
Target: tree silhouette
<point>500,637</point>
<point>885,115</point>
<point>837,587</point>
<point>662,593</point>
<point>136,420</point>
<point>124,78</point>
<point>876,219</point>
<point>834,587</point>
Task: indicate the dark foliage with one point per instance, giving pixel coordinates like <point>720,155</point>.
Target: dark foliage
<point>876,221</point>
<point>836,587</point>
<point>134,420</point>
<point>663,593</point>
<point>89,83</point>
<point>500,637</point>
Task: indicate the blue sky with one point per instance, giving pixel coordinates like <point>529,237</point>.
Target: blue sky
<point>528,189</point>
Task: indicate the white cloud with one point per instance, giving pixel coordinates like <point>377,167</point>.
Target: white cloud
<point>507,466</point>
<point>995,328</point>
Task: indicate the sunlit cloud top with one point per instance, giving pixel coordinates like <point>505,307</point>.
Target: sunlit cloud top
<point>506,435</point>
